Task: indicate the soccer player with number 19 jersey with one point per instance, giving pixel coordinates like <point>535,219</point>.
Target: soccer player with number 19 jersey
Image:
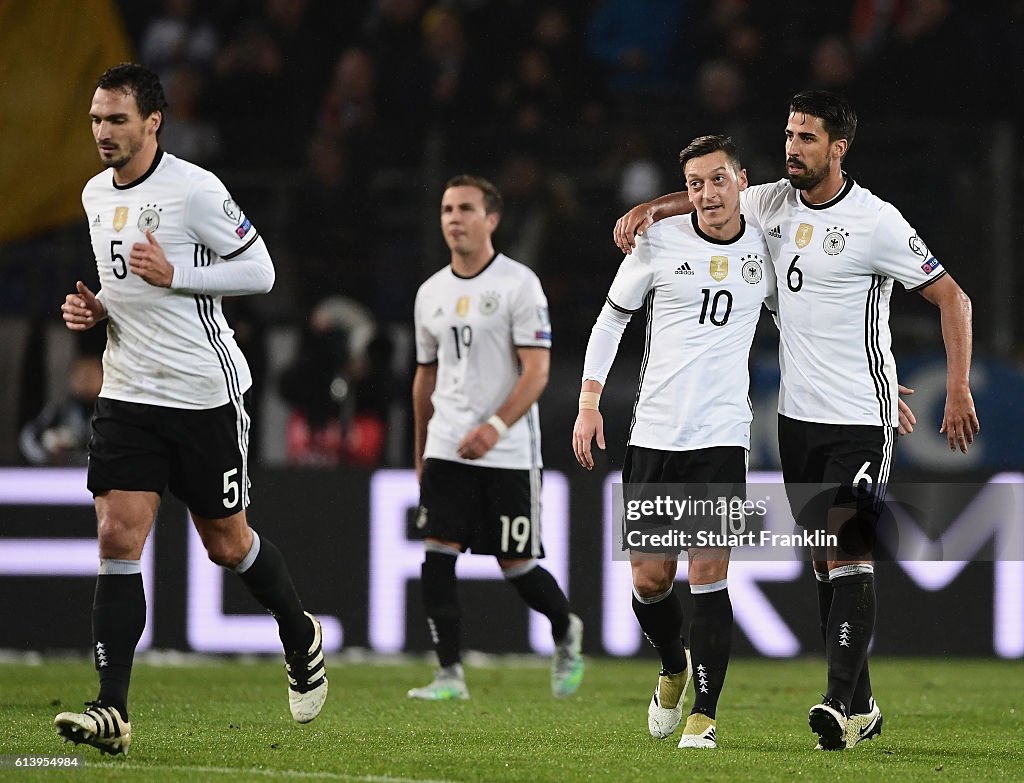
<point>483,339</point>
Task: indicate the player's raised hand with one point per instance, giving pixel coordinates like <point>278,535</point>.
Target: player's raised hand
<point>589,424</point>
<point>82,310</point>
<point>635,222</point>
<point>148,260</point>
<point>478,441</point>
<point>959,420</point>
<point>906,415</point>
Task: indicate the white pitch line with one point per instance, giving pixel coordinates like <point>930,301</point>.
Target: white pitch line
<point>289,773</point>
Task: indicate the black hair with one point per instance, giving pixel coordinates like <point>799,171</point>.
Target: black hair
<point>139,81</point>
<point>705,145</point>
<point>835,112</point>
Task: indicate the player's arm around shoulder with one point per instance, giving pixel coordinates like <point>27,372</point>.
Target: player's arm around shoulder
<point>641,217</point>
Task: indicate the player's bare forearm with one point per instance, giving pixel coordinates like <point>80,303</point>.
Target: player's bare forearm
<point>670,204</point>
<point>960,420</point>
<point>423,384</point>
<point>643,216</point>
<point>536,363</point>
<point>532,380</point>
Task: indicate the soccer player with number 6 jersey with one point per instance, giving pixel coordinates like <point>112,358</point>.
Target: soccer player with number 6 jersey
<point>837,248</point>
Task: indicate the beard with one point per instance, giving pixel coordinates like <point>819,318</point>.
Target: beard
<point>117,163</point>
<point>126,155</point>
<point>810,178</point>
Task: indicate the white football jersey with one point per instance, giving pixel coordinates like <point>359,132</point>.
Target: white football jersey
<point>471,328</point>
<point>166,346</point>
<point>703,299</point>
<point>835,263</point>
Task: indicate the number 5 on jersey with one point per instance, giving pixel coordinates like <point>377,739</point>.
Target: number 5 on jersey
<point>120,267</point>
<point>230,488</point>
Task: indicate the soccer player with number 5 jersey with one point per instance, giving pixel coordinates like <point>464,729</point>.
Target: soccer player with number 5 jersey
<point>169,243</point>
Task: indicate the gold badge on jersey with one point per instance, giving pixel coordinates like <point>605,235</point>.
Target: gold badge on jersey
<point>719,267</point>
<point>803,234</point>
<point>462,306</point>
<point>120,218</point>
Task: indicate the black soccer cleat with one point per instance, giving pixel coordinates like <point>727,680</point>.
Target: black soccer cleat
<point>828,720</point>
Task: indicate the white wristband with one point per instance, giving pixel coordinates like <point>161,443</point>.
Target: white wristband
<point>498,424</point>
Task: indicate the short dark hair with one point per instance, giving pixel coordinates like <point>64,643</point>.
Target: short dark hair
<point>137,80</point>
<point>835,112</point>
<point>705,145</point>
<point>493,202</point>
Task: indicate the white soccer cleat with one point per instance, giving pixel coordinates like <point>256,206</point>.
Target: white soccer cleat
<point>828,720</point>
<point>307,678</point>
<point>863,726</point>
<point>665,711</point>
<point>98,726</point>
<point>699,732</point>
<point>567,663</point>
<point>449,684</point>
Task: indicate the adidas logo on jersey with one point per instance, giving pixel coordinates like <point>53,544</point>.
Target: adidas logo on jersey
<point>776,232</point>
<point>684,269</point>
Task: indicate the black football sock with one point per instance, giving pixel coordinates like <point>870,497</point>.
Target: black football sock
<point>710,643</point>
<point>661,620</point>
<point>538,588</point>
<point>118,620</point>
<point>861,702</point>
<point>851,623</point>
<point>825,592</point>
<point>265,573</point>
<point>441,602</point>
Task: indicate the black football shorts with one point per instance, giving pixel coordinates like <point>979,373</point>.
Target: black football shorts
<point>489,511</point>
<point>201,456</point>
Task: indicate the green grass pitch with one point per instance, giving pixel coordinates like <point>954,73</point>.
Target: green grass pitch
<point>228,721</point>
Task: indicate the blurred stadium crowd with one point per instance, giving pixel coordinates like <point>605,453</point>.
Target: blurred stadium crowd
<point>335,125</point>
